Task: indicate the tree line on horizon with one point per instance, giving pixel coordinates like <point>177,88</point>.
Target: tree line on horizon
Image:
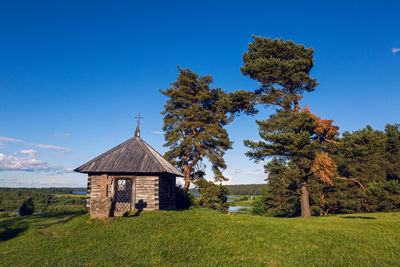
<point>241,189</point>
<point>44,199</point>
<point>311,170</point>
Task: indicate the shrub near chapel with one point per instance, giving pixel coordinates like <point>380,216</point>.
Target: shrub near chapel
<point>212,195</point>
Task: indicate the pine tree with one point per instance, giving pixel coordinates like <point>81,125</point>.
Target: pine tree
<point>282,68</point>
<point>282,194</point>
<point>194,120</point>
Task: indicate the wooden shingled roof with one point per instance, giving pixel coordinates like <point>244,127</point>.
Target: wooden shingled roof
<point>132,156</point>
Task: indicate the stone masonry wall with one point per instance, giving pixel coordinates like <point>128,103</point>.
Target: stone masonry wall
<point>100,198</point>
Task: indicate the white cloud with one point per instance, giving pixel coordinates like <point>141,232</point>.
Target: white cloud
<point>229,182</point>
<point>29,163</point>
<point>240,176</point>
<point>256,172</point>
<point>263,162</point>
<point>30,152</point>
<point>157,132</point>
<point>10,139</point>
<point>21,164</point>
<point>51,147</point>
<point>395,50</point>
<point>61,135</point>
<point>69,169</point>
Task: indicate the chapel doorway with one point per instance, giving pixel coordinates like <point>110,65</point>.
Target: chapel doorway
<point>122,196</point>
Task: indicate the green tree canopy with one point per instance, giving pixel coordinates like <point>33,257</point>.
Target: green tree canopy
<point>194,120</point>
<point>283,70</point>
<point>369,154</point>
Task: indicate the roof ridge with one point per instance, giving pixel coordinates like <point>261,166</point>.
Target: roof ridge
<point>146,148</point>
<point>104,154</point>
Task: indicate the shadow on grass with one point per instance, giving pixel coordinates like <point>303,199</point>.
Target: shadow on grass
<point>15,226</point>
<point>129,214</point>
<point>63,216</point>
<point>359,217</point>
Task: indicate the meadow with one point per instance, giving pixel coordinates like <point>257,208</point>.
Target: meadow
<point>200,237</point>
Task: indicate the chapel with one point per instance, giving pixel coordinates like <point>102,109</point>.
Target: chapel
<point>130,177</point>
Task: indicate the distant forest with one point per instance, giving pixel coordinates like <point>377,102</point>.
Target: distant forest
<point>247,189</point>
<point>242,189</point>
<point>44,199</point>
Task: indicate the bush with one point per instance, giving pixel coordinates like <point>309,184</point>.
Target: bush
<point>183,199</point>
<point>259,207</point>
<point>212,195</point>
<point>27,207</point>
<point>268,206</point>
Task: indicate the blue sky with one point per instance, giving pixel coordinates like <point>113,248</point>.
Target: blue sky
<point>74,74</point>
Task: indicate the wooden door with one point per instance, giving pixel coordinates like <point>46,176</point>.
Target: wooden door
<point>122,195</point>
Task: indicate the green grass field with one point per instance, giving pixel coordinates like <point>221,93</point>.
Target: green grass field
<point>200,237</point>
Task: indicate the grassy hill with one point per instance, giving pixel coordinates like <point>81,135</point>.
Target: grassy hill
<point>200,237</point>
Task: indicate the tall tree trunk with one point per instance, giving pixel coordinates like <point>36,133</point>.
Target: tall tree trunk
<point>188,169</point>
<point>304,201</point>
<point>187,182</point>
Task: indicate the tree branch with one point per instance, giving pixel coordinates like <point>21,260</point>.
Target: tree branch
<point>331,141</point>
<point>354,180</point>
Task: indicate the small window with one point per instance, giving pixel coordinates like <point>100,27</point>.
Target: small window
<point>121,185</point>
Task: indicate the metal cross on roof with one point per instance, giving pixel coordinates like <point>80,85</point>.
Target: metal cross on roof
<point>138,119</point>
<point>137,131</point>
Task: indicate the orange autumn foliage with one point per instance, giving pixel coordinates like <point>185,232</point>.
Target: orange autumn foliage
<point>323,167</point>
<point>324,128</point>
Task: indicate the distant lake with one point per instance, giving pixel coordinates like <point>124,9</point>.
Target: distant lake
<point>231,208</point>
<point>79,193</point>
<point>197,195</point>
<point>237,208</point>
